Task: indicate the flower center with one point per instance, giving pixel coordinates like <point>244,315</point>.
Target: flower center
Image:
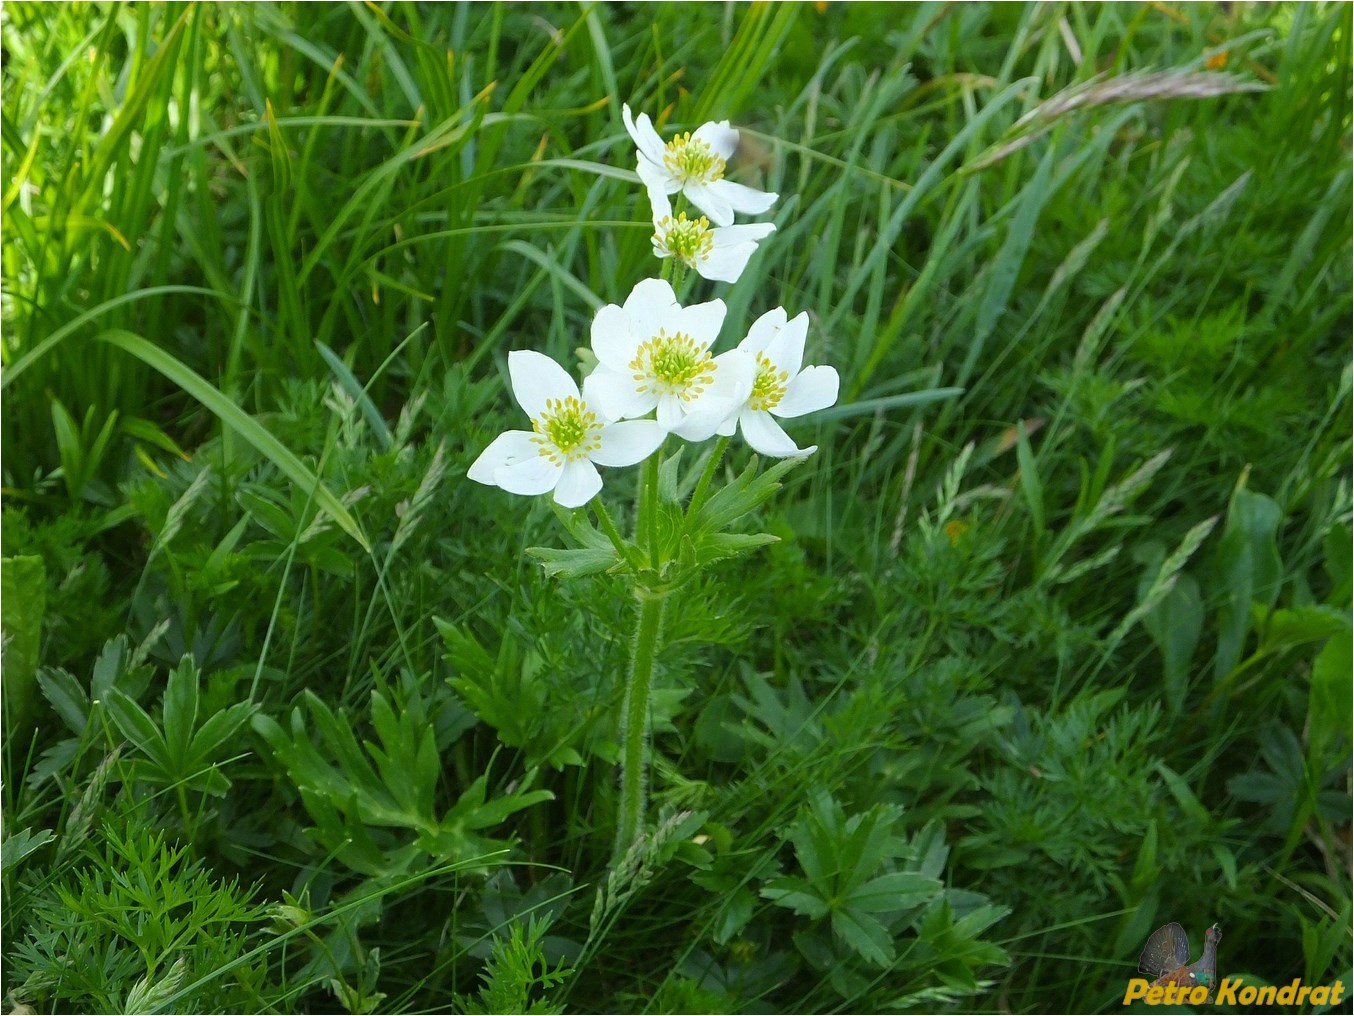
<point>692,161</point>
<point>769,386</point>
<point>568,430</point>
<point>685,239</point>
<point>673,365</point>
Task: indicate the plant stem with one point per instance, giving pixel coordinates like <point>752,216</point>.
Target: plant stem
<point>625,550</point>
<point>635,722</point>
<point>648,507</point>
<point>703,484</point>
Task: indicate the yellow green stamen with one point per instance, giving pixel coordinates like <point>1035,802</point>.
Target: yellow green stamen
<point>673,365</point>
<point>686,239</point>
<point>691,160</point>
<point>770,384</point>
<point>568,430</point>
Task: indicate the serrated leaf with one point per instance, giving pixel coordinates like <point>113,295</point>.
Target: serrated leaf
<point>864,934</point>
<point>797,895</point>
<point>63,691</point>
<point>108,667</point>
<point>742,495</point>
<point>180,711</point>
<point>19,845</point>
<point>711,547</point>
<point>220,728</point>
<point>138,728</point>
<point>474,812</point>
<point>896,891</point>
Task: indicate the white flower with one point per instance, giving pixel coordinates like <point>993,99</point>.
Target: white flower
<point>568,435</point>
<point>718,253</point>
<point>779,387</point>
<point>653,353</point>
<point>693,163</point>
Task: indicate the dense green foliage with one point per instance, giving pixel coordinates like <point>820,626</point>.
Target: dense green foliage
<point>1049,656</point>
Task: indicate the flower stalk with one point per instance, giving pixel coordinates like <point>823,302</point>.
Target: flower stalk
<point>708,474</point>
<point>635,719</point>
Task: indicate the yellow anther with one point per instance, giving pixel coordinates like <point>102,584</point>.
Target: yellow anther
<point>769,386</point>
<point>686,239</point>
<point>567,430</point>
<point>673,365</point>
<point>691,160</point>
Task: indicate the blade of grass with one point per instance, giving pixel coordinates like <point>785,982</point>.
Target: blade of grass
<point>238,420</point>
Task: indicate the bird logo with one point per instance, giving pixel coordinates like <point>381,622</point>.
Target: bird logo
<point>1166,958</point>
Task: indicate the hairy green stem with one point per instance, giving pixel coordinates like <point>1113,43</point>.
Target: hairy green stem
<point>635,722</point>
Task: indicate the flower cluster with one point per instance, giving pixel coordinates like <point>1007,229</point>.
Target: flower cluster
<point>654,355</point>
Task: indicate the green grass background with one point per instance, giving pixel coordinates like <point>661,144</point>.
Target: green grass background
<point>1055,644</point>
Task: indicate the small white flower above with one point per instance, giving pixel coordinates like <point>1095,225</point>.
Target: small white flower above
<point>694,163</point>
<point>717,253</point>
<point>654,354</point>
<point>780,388</point>
<point>568,439</point>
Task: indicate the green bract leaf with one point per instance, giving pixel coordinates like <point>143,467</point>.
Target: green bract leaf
<point>575,563</point>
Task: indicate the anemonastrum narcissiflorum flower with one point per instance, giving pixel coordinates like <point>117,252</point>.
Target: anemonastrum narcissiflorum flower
<point>780,388</point>
<point>694,164</point>
<point>717,253</point>
<point>569,437</point>
<point>654,354</point>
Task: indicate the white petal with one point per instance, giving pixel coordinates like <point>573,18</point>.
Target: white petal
<point>702,424</point>
<point>813,389</point>
<point>612,339</point>
<point>614,395</point>
<point>656,178</point>
<point>624,444</point>
<point>766,437</point>
<point>704,197</point>
<point>658,201</point>
<point>578,484</point>
<point>535,378</point>
<point>510,446</point>
<point>743,199</point>
<point>670,411</point>
<point>721,138</point>
<point>717,408</point>
<point>702,322</point>
<point>735,372</point>
<point>652,305</point>
<point>645,137</point>
<point>725,263</point>
<point>743,233</point>
<point>786,350</point>
<point>528,476</point>
<point>763,330</point>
